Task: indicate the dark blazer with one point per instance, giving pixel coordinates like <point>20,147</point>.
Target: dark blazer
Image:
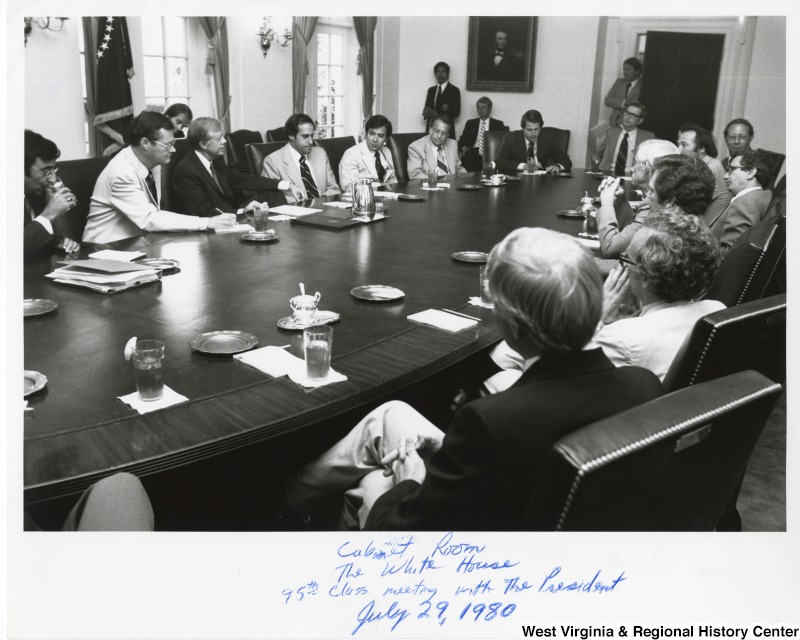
<point>38,242</point>
<point>199,195</point>
<point>450,103</point>
<point>511,68</point>
<point>515,150</point>
<point>482,477</point>
<point>470,134</point>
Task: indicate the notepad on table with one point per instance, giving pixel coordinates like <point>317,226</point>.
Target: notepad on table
<point>442,320</point>
<point>293,210</point>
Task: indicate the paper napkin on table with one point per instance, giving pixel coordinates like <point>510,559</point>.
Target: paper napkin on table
<point>169,398</point>
<point>442,320</point>
<point>241,228</point>
<point>280,218</point>
<point>277,362</point>
<point>476,302</point>
<point>111,254</point>
<point>439,185</point>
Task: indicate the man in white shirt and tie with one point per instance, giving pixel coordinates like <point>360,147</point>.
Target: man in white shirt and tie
<point>622,141</point>
<point>471,142</point>
<point>300,162</point>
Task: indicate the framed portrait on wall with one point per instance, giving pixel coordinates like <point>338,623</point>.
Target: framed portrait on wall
<point>501,53</point>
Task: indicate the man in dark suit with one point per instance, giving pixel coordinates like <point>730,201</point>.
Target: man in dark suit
<point>45,199</point>
<point>518,146</point>
<point>442,98</point>
<point>204,184</point>
<point>470,143</point>
<point>399,472</point>
<point>499,64</point>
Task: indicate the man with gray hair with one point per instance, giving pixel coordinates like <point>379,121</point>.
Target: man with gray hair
<point>206,186</point>
<point>616,222</point>
<point>398,471</point>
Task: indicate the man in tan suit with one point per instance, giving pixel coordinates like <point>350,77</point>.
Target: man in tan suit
<point>300,162</point>
<point>435,152</point>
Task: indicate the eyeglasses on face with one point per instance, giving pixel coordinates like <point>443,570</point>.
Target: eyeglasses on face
<point>625,261</point>
<point>734,167</point>
<point>47,173</point>
<point>171,145</point>
<point>631,114</point>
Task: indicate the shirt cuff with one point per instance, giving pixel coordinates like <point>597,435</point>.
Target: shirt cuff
<point>45,222</point>
<point>283,185</point>
<point>203,222</point>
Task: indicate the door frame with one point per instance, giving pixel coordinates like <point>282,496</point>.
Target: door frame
<point>737,53</point>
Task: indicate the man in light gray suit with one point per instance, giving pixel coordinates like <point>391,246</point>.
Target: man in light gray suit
<point>435,152</point>
<point>300,162</point>
<point>369,158</point>
<point>126,198</point>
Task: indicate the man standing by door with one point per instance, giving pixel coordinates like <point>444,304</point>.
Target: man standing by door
<point>443,97</point>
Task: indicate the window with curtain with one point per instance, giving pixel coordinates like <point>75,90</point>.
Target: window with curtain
<point>330,84</point>
<point>166,61</point>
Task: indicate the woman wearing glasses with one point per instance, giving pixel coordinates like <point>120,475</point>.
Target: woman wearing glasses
<point>653,299</point>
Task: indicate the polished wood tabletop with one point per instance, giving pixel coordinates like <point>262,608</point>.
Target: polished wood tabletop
<point>79,431</point>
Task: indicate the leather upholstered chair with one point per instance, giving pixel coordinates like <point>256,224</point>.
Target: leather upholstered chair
<point>559,136</point>
<point>276,135</point>
<point>237,142</point>
<point>79,176</point>
<point>169,202</point>
<point>755,266</point>
<point>776,161</point>
<point>257,152</point>
<point>335,148</point>
<point>746,336</point>
<point>491,144</point>
<point>668,465</point>
<point>398,147</point>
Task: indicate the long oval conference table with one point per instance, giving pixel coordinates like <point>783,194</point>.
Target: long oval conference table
<point>79,432</point>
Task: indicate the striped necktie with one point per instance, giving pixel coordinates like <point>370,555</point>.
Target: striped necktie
<point>480,139</point>
<point>308,179</point>
<point>151,185</point>
<point>441,161</point>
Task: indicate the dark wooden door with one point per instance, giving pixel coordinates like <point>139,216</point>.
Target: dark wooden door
<point>679,84</point>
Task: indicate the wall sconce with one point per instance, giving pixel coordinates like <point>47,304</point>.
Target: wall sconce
<point>267,34</point>
<point>43,23</point>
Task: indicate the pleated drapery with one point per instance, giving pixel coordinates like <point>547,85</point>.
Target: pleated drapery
<point>90,44</point>
<point>365,32</point>
<point>217,64</point>
<point>302,30</point>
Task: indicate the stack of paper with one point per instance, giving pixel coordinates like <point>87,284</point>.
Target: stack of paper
<point>111,254</point>
<point>443,320</point>
<point>105,276</point>
<point>293,210</point>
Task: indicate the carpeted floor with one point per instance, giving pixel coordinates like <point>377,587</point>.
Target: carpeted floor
<point>762,500</point>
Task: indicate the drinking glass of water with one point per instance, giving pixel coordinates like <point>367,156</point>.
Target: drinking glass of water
<point>318,342</point>
<point>148,357</point>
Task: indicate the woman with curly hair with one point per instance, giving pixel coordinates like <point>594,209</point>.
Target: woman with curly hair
<point>653,299</point>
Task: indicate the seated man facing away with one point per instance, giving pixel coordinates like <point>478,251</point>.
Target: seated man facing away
<point>434,152</point>
<point>667,269</point>
<point>747,178</point>
<point>369,158</point>
<point>518,146</point>
<point>675,179</point>
<point>125,202</point>
<point>301,163</point>
<point>45,199</point>
<point>397,471</point>
<point>204,184</point>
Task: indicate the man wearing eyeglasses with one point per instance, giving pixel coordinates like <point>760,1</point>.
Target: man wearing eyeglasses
<point>45,199</point>
<point>747,177</point>
<point>126,198</point>
<point>739,134</point>
<point>623,140</point>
